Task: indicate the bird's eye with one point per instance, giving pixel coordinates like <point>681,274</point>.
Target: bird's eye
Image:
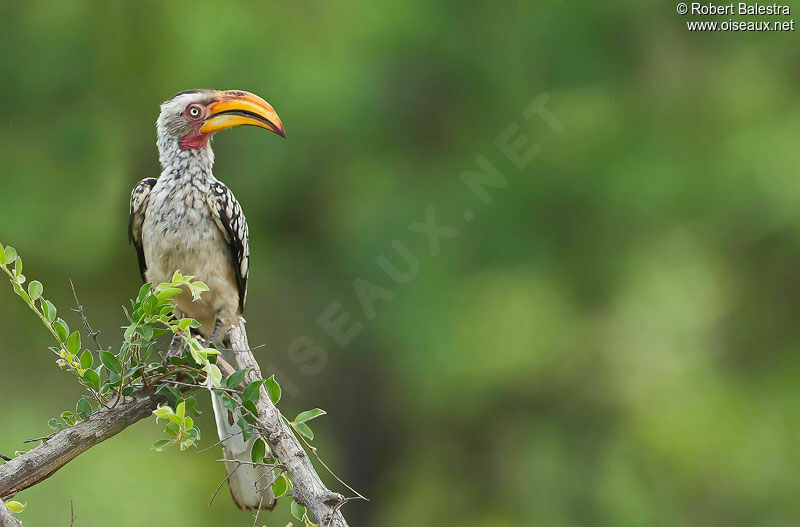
<point>194,111</point>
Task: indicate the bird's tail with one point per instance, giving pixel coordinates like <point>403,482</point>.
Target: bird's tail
<point>249,484</point>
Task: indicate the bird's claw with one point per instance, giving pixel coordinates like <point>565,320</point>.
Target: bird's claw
<point>175,347</point>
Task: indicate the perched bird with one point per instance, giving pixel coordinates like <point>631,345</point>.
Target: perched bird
<point>188,221</point>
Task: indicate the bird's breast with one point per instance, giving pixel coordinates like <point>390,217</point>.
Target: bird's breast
<point>179,233</point>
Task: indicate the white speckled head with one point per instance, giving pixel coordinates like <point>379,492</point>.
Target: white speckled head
<point>178,139</point>
<point>173,120</point>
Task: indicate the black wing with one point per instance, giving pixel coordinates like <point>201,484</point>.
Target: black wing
<point>139,200</point>
<point>231,221</point>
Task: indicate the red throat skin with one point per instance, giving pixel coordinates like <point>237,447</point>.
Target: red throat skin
<point>193,141</point>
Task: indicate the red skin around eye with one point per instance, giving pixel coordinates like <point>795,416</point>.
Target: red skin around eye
<point>194,139</point>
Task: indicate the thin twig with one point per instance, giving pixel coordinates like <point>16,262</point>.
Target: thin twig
<point>71,513</point>
<point>227,478</point>
<point>35,439</point>
<point>206,449</point>
<point>258,511</point>
<point>79,310</point>
<point>240,351</point>
<point>251,463</point>
<point>274,480</point>
<point>332,473</point>
<point>261,491</point>
<point>214,388</point>
<point>4,458</point>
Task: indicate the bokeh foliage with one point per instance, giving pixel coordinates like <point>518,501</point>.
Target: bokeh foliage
<point>609,342</point>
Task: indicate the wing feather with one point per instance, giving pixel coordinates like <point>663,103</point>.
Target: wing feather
<point>140,197</point>
<point>230,219</point>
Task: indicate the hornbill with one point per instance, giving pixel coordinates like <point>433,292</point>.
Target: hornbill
<point>188,221</point>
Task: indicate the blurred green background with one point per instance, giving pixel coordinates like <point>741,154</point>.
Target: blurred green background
<point>612,341</point>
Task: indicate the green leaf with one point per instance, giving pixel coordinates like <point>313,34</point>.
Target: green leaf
<point>2,255</point>
<point>127,391</point>
<point>236,378</point>
<point>229,403</point>
<point>258,451</point>
<point>143,292</point>
<point>173,428</point>
<point>86,360</point>
<point>163,411</point>
<point>213,375</point>
<point>197,288</point>
<point>251,408</point>
<point>15,506</point>
<point>180,411</point>
<point>35,290</point>
<point>92,378</point>
<point>273,389</point>
<point>170,393</point>
<point>10,255</point>
<point>129,331</point>
<point>49,310</point>
<point>146,332</point>
<point>83,407</point>
<point>159,445</point>
<point>280,486</point>
<point>191,402</point>
<point>168,293</point>
<point>247,430</point>
<point>74,343</point>
<point>178,361</point>
<point>111,362</point>
<point>62,330</point>
<point>308,415</point>
<point>251,392</point>
<point>304,430</point>
<point>68,417</point>
<point>54,425</point>
<point>298,511</point>
<point>194,433</point>
<point>188,423</point>
<point>21,292</point>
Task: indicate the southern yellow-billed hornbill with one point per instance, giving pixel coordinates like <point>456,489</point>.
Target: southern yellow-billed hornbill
<point>188,221</point>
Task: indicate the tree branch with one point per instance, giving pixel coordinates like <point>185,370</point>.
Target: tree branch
<point>6,518</point>
<point>322,503</point>
<point>43,461</point>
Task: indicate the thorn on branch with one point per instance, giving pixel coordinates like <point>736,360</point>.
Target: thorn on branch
<point>35,439</point>
<point>339,503</point>
<point>333,498</point>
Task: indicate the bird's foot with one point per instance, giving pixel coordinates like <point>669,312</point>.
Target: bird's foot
<point>175,347</point>
<point>213,339</point>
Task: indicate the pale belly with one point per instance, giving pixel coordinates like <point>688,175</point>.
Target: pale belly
<point>191,242</point>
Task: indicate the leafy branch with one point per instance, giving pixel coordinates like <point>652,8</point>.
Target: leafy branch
<point>125,386</point>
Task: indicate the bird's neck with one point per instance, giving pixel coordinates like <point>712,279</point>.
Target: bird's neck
<point>178,163</point>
